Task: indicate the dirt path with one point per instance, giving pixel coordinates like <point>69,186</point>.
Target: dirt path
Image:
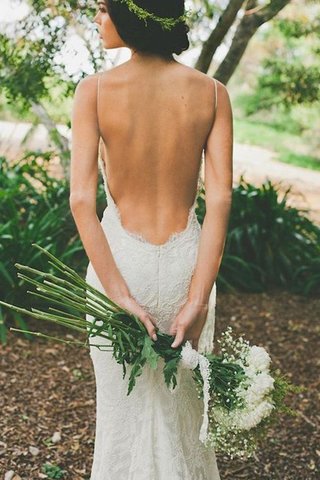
<point>257,164</point>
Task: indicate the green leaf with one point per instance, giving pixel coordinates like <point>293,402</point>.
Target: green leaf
<point>170,370</point>
<point>148,352</point>
<point>136,371</point>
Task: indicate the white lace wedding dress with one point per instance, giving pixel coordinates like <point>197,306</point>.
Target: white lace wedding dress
<point>153,433</point>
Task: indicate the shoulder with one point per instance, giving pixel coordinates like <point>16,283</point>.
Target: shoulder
<point>87,85</point>
<point>84,103</point>
<point>213,84</point>
<point>223,98</point>
<point>85,94</point>
<point>213,93</point>
<point>222,89</point>
<point>224,106</point>
<point>205,82</point>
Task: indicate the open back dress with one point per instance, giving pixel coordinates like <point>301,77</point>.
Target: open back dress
<point>153,433</point>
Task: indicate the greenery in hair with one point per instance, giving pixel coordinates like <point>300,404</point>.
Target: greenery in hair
<point>167,23</point>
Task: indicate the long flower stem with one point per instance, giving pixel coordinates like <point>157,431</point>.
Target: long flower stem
<point>72,296</point>
<point>68,342</point>
<point>93,296</point>
<point>78,303</point>
<point>61,300</point>
<point>74,275</point>
<point>42,335</point>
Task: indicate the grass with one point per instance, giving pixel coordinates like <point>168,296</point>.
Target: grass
<point>300,160</point>
<point>292,135</point>
<point>287,145</point>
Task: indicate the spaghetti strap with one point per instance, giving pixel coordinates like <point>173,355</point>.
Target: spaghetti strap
<point>97,102</point>
<point>100,156</point>
<point>215,97</point>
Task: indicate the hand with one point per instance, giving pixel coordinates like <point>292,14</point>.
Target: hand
<point>129,303</point>
<point>188,324</point>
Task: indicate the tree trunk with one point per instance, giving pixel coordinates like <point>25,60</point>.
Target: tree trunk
<point>251,21</point>
<point>217,35</point>
<point>59,140</point>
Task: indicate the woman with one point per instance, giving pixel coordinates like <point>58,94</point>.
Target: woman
<point>155,117</point>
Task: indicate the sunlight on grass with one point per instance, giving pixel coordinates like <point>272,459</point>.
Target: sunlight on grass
<point>256,132</point>
<point>300,160</point>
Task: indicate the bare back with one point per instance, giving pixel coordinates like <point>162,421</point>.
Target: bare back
<point>154,128</point>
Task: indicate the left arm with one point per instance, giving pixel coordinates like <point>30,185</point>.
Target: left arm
<point>83,187</point>
<point>83,192</point>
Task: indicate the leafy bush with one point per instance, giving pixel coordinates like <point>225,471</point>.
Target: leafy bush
<point>307,277</point>
<point>34,207</point>
<point>269,244</point>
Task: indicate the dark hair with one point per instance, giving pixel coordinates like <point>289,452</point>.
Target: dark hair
<point>150,38</point>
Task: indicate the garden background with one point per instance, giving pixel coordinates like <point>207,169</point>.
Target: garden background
<point>268,55</point>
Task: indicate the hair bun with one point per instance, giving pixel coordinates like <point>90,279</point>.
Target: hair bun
<point>152,37</point>
<point>177,38</point>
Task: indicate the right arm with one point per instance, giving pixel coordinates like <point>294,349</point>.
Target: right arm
<point>218,198</point>
<point>189,322</point>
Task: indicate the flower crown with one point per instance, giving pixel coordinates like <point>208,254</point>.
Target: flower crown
<point>167,23</point>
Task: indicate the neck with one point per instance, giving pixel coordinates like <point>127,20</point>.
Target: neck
<point>149,58</point>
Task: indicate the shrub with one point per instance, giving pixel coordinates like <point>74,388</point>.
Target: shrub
<point>269,243</point>
<point>34,207</point>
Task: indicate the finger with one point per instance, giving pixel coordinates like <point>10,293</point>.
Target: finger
<point>151,329</point>
<point>150,318</point>
<point>174,325</point>
<point>146,317</point>
<point>154,321</point>
<point>173,329</point>
<point>179,338</point>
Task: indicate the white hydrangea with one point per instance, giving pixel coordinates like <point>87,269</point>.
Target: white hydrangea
<point>260,386</point>
<point>250,371</point>
<point>253,391</point>
<point>253,417</point>
<point>258,358</point>
<point>242,419</point>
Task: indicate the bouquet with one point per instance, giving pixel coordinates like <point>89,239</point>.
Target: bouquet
<point>240,394</point>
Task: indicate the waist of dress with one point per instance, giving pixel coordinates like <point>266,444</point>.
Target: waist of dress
<point>112,221</point>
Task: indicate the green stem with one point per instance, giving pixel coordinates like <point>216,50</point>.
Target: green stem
<point>42,335</point>
<point>101,301</point>
<point>73,274</point>
<point>120,325</point>
<point>68,342</point>
<point>60,300</point>
<point>75,297</point>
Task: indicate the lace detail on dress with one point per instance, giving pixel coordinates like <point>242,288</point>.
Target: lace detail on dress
<point>152,434</point>
<point>180,251</point>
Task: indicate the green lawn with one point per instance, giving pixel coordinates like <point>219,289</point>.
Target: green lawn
<point>287,145</point>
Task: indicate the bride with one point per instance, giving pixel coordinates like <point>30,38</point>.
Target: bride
<point>145,125</point>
